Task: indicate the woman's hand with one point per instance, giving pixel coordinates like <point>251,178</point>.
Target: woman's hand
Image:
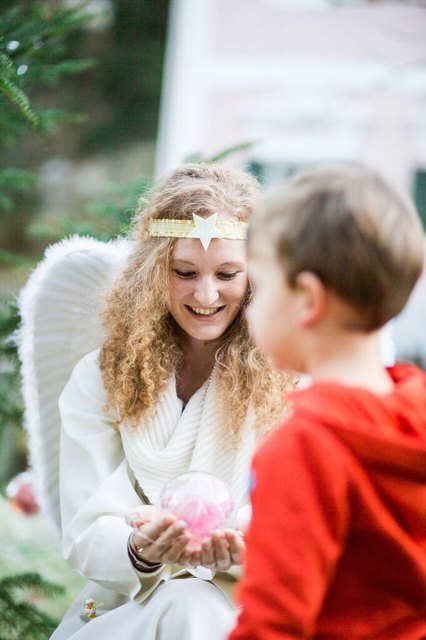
<point>141,515</point>
<point>163,539</point>
<point>220,551</point>
<point>166,540</point>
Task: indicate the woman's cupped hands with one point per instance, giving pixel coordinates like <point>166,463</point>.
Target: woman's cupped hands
<point>166,539</point>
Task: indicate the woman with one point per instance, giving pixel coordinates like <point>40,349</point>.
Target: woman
<point>177,385</point>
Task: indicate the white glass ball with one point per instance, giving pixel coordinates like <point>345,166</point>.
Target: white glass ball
<point>200,499</point>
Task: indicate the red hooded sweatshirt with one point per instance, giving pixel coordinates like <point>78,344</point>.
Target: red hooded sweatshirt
<point>337,544</point>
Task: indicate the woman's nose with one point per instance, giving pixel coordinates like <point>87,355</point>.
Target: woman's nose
<point>206,292</point>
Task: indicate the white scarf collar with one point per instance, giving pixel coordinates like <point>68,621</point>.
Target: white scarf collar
<point>175,441</point>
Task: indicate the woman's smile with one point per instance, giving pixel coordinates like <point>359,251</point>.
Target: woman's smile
<point>205,313</point>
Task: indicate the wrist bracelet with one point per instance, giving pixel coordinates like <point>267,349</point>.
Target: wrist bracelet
<point>138,563</point>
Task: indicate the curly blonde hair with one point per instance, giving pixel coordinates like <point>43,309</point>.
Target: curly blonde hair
<point>142,347</point>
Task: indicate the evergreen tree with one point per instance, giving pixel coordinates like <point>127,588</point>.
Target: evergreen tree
<point>32,54</point>
<point>33,57</point>
<point>20,619</point>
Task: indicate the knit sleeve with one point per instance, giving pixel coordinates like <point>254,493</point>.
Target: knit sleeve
<point>95,488</point>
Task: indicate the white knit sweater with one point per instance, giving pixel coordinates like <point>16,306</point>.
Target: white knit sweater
<point>98,468</point>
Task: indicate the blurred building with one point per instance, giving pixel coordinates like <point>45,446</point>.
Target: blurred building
<point>304,81</point>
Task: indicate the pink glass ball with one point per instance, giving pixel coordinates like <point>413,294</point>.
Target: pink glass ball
<point>200,499</point>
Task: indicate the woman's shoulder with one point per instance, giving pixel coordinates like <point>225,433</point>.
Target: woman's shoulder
<point>86,377</point>
<point>83,407</point>
<point>89,363</point>
<point>88,367</point>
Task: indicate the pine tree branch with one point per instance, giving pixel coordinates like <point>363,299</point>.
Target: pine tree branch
<point>14,93</point>
<point>22,619</point>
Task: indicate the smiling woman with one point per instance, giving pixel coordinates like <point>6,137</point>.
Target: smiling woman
<point>177,385</point>
<point>207,287</point>
<point>207,292</point>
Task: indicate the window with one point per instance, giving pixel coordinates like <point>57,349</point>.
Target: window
<point>419,193</point>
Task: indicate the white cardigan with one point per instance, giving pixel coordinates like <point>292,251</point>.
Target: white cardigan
<point>98,470</point>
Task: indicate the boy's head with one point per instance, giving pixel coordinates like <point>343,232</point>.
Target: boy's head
<point>341,229</point>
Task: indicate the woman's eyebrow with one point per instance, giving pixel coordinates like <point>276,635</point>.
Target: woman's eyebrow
<point>236,265</point>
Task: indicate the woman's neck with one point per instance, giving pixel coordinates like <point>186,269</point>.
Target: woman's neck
<point>197,364</point>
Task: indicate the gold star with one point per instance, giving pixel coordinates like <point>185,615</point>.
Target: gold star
<point>205,229</point>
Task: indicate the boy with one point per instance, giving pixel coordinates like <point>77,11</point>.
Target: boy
<point>337,544</point>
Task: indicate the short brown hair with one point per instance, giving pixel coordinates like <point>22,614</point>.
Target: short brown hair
<point>344,223</point>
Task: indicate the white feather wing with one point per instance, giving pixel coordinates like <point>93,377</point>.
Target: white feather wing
<point>60,308</point>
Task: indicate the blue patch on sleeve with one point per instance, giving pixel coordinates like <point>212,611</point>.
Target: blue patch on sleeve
<point>252,481</point>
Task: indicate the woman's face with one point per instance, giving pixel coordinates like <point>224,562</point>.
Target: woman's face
<point>207,288</point>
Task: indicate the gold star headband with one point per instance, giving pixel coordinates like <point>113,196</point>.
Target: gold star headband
<point>205,229</point>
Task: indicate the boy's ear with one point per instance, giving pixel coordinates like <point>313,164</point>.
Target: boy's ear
<point>312,296</point>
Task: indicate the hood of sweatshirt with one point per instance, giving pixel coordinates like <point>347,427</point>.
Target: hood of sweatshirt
<point>387,431</point>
